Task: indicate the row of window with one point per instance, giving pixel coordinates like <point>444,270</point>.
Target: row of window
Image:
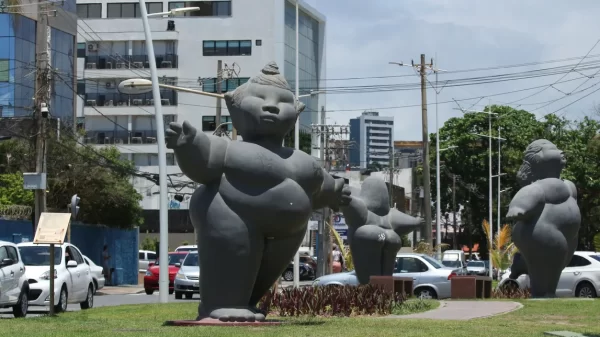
<point>209,124</point>
<point>228,48</point>
<point>210,84</point>
<point>132,9</point>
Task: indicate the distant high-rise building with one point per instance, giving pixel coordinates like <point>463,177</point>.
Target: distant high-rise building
<point>371,137</point>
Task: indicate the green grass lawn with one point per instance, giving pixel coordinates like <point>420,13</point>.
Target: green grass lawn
<point>146,320</point>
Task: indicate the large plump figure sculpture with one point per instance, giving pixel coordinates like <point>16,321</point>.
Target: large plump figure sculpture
<point>374,229</point>
<point>547,217</point>
<point>252,209</point>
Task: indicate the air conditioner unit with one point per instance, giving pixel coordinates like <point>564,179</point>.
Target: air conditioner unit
<point>93,47</point>
<point>109,85</point>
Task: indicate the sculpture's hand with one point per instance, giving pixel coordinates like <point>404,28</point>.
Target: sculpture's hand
<point>339,191</point>
<point>346,196</point>
<point>178,135</point>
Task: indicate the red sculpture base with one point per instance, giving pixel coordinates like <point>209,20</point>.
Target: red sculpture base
<point>216,322</point>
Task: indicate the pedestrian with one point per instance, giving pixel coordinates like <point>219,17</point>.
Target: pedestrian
<point>106,265</point>
<point>337,260</point>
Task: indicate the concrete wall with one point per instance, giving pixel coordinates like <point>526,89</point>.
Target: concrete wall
<point>122,244</point>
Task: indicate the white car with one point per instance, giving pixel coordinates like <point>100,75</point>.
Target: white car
<point>145,258</point>
<point>14,289</point>
<point>188,248</point>
<point>72,276</point>
<point>581,277</point>
<point>97,275</point>
<point>431,279</point>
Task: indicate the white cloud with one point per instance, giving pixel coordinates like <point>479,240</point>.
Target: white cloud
<point>363,36</point>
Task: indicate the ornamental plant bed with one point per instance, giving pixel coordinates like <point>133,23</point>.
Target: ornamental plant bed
<point>331,301</point>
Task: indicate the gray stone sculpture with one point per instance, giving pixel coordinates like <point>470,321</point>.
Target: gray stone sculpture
<point>374,229</point>
<point>252,209</point>
<point>518,266</point>
<point>547,216</point>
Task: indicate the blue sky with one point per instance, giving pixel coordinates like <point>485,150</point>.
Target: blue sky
<point>465,34</point>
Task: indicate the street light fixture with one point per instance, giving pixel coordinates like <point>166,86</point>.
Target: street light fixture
<point>312,93</point>
<point>163,275</point>
<point>174,11</point>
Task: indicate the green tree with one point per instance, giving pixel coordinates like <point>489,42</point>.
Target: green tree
<point>12,192</point>
<point>305,140</point>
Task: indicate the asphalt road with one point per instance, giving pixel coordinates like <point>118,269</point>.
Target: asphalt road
<point>113,300</point>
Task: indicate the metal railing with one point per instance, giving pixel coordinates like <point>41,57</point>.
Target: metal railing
<point>167,97</point>
<point>121,137</point>
<point>166,61</point>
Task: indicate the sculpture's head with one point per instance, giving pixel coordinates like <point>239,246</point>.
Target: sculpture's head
<point>375,195</point>
<point>541,160</point>
<point>264,107</point>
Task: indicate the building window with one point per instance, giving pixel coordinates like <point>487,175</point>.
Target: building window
<point>131,10</point>
<point>4,71</point>
<point>89,11</point>
<point>209,84</point>
<point>80,87</point>
<point>258,43</point>
<point>207,8</point>
<point>208,123</point>
<point>170,159</point>
<point>81,49</point>
<point>227,48</point>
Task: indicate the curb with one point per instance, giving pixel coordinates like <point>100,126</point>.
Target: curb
<point>101,293</point>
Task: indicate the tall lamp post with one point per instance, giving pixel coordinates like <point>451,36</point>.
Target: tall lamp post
<point>438,206</point>
<point>163,259</point>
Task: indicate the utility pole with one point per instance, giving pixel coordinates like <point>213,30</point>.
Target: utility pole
<point>426,173</point>
<point>454,211</point>
<point>42,100</point>
<point>392,159</point>
<point>219,91</point>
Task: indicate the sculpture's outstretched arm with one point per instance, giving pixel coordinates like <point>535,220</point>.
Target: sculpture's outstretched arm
<point>529,201</point>
<point>403,223</point>
<point>329,194</point>
<point>200,157</point>
<point>354,209</point>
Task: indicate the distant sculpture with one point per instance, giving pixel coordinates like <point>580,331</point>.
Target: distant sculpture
<point>374,229</point>
<point>252,209</point>
<point>547,217</point>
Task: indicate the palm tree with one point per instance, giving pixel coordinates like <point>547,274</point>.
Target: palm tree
<point>502,246</point>
<point>346,254</point>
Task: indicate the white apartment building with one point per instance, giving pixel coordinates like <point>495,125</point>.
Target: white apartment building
<point>372,139</point>
<point>244,34</point>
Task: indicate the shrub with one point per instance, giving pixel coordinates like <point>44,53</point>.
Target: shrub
<point>330,301</point>
<point>511,293</point>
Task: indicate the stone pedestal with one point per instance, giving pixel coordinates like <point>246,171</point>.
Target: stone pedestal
<point>394,284</point>
<point>470,287</point>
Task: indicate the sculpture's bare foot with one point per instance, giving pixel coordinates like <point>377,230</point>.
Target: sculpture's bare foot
<point>259,315</point>
<point>236,315</point>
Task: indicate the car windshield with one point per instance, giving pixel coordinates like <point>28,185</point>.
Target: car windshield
<point>191,260</point>
<point>39,255</point>
<point>433,262</point>
<point>173,259</point>
<point>478,264</point>
<point>452,264</point>
<point>595,257</point>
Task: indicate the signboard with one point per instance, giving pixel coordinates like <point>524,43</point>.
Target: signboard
<point>52,228</point>
<point>34,181</point>
<point>313,225</point>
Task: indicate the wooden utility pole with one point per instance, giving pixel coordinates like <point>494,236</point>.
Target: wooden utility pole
<point>392,159</point>
<point>425,131</point>
<point>219,91</point>
<point>454,239</point>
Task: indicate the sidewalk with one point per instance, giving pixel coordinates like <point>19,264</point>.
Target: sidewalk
<point>120,290</point>
<point>465,310</point>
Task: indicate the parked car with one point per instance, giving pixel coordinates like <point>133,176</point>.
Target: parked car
<point>145,257</point>
<point>14,288</point>
<point>97,275</point>
<point>306,272</point>
<point>479,268</point>
<point>581,277</point>
<point>312,261</point>
<point>187,280</point>
<point>431,279</point>
<point>72,276</point>
<point>188,248</point>
<point>151,277</point>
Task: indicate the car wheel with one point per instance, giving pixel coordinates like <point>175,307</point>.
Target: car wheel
<point>426,293</point>
<point>149,291</point>
<point>95,287</point>
<point>585,290</point>
<point>510,286</point>
<point>178,295</point>
<point>20,310</point>
<point>89,299</point>
<point>189,296</point>
<point>62,301</point>
<point>288,275</point>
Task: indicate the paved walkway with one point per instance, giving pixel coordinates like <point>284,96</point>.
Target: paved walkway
<point>465,310</point>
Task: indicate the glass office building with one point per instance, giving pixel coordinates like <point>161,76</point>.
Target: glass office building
<point>17,68</point>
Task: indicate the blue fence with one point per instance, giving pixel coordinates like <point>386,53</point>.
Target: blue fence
<point>122,245</point>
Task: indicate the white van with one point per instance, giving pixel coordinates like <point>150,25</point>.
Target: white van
<point>455,259</point>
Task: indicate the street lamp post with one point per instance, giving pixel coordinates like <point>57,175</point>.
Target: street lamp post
<point>438,226</point>
<point>163,259</point>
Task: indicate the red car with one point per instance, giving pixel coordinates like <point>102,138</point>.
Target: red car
<point>151,278</point>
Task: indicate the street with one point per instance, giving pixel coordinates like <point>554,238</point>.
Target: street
<point>114,300</point>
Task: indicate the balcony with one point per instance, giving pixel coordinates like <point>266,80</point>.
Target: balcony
<point>108,137</point>
<point>381,132</point>
<point>122,104</point>
<point>387,139</point>
<point>166,61</point>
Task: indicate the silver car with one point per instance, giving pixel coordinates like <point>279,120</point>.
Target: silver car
<point>431,279</point>
<point>581,277</point>
<point>187,280</point>
<point>475,267</point>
